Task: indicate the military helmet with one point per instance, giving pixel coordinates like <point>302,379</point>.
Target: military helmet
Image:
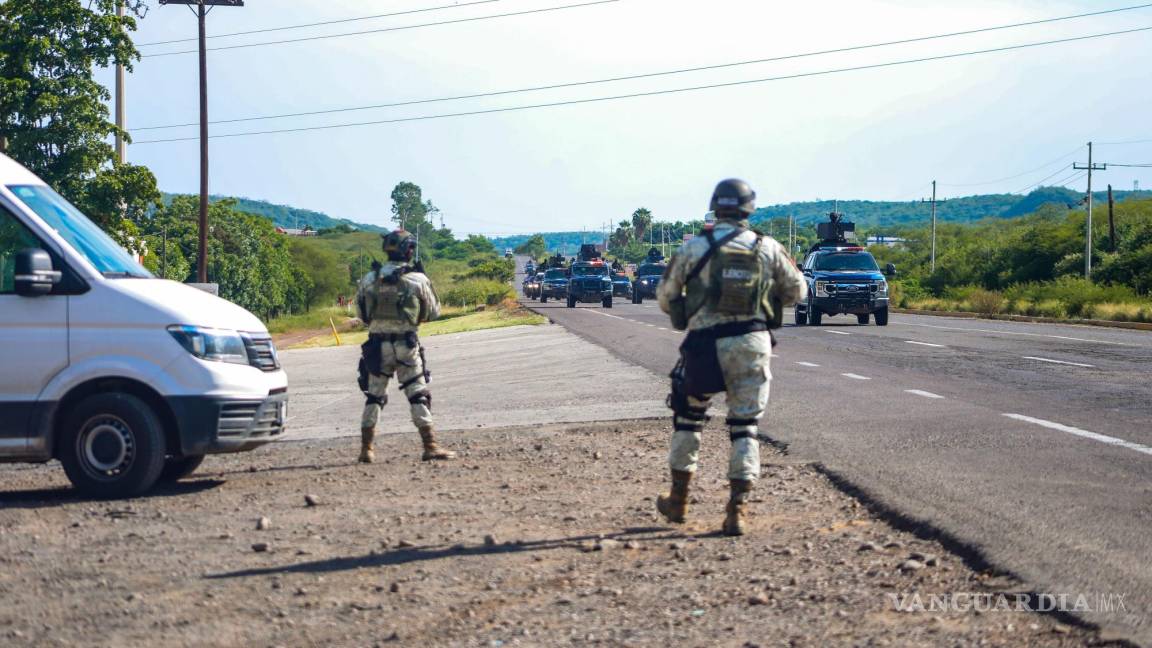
<point>399,245</point>
<point>733,198</point>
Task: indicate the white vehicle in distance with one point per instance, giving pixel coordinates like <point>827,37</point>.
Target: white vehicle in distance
<point>125,378</point>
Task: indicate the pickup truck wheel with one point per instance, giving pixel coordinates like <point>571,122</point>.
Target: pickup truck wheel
<point>801,317</point>
<point>862,320</point>
<point>543,298</point>
<point>112,445</point>
<point>607,303</point>
<point>637,298</point>
<point>814,316</point>
<point>571,302</point>
<point>882,317</point>
<point>177,468</point>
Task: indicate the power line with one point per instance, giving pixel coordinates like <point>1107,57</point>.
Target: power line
<point>654,93</point>
<point>1139,141</point>
<point>320,24</point>
<point>1018,175</point>
<point>634,77</point>
<point>390,29</point>
<point>1032,186</point>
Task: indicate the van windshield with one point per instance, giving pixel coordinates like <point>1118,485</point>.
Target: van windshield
<point>82,234</point>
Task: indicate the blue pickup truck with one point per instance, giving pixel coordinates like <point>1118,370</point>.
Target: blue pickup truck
<point>843,279</point>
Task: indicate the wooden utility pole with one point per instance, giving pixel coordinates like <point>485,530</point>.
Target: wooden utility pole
<point>201,11</point>
<point>1090,167</point>
<point>932,258</point>
<point>1111,221</point>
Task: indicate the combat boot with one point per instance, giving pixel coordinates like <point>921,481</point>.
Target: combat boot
<point>432,450</point>
<point>737,507</point>
<point>674,505</point>
<point>367,452</point>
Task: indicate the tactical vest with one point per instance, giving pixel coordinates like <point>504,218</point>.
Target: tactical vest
<point>736,281</point>
<point>396,299</point>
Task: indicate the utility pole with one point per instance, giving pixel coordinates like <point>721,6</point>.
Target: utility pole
<point>1111,221</point>
<point>1090,167</point>
<point>201,11</point>
<point>120,157</point>
<point>932,258</point>
<point>791,233</point>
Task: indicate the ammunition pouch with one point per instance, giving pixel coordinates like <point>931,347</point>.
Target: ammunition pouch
<point>682,307</point>
<point>372,356</point>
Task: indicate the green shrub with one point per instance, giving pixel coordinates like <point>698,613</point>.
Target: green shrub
<point>476,292</point>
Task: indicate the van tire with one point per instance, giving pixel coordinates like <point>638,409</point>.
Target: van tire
<point>119,430</point>
<point>177,468</point>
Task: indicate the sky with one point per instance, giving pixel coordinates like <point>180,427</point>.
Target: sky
<point>876,134</point>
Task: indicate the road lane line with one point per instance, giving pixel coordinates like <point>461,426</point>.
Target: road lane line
<point>855,376</point>
<point>807,364</point>
<point>837,332</point>
<point>1060,362</point>
<point>927,344</point>
<point>925,394</point>
<point>1083,433</point>
<point>1043,335</point>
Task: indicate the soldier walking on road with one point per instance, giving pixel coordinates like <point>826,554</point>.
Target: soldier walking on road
<point>394,300</point>
<point>727,287</point>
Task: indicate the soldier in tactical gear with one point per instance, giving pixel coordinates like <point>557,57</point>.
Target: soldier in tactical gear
<point>726,287</point>
<point>394,299</point>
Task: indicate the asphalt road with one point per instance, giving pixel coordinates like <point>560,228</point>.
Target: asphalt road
<point>1031,444</point>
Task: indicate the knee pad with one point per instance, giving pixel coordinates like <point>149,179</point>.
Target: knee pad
<point>742,428</point>
<point>421,398</point>
<point>369,399</point>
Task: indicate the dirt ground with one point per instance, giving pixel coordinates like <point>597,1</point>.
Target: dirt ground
<point>535,537</point>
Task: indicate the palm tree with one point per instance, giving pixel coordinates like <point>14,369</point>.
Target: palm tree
<point>641,221</point>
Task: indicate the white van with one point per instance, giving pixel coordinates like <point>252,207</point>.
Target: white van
<point>125,378</point>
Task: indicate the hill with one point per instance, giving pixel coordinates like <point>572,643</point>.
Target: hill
<point>289,217</point>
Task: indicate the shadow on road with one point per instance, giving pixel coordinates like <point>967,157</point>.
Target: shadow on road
<point>47,497</point>
<point>407,555</point>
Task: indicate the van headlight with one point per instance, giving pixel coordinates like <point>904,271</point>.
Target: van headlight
<point>217,345</point>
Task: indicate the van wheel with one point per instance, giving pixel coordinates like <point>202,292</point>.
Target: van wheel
<point>112,445</point>
<point>862,320</point>
<point>177,468</point>
<point>882,317</point>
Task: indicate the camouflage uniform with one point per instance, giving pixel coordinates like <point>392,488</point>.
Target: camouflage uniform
<point>400,354</point>
<point>743,359</point>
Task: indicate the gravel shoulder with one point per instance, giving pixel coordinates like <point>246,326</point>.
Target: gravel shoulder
<point>542,535</point>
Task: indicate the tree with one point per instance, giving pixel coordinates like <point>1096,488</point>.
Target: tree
<point>53,117</point>
<point>641,221</point>
<point>534,247</point>
<point>408,206</point>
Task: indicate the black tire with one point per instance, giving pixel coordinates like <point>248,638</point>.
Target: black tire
<point>112,445</point>
<point>881,317</point>
<point>571,302</point>
<point>814,316</point>
<point>638,299</point>
<point>176,469</point>
<point>801,317</point>
<point>862,320</point>
<point>543,298</point>
<point>607,302</point>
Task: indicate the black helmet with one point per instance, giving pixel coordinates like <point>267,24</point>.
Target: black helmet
<point>399,245</point>
<point>733,198</point>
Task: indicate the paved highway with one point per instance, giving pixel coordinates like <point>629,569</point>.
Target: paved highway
<point>1031,444</point>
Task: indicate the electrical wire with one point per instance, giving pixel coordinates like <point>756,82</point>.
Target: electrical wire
<point>654,93</point>
<point>1124,143</point>
<point>320,24</point>
<point>1018,175</point>
<point>634,77</point>
<point>388,29</point>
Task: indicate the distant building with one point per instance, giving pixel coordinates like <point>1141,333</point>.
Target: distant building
<point>296,232</point>
<point>890,241</point>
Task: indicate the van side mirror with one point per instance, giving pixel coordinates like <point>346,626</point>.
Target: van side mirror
<point>34,273</point>
<point>890,270</point>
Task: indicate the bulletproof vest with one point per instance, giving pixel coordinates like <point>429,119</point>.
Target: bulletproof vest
<point>396,299</point>
<point>737,281</point>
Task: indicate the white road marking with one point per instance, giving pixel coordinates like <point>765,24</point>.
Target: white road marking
<point>927,344</point>
<point>855,376</point>
<point>662,328</point>
<point>807,364</point>
<point>1061,362</point>
<point>837,332</point>
<point>1083,433</point>
<point>1043,335</point>
<point>925,394</point>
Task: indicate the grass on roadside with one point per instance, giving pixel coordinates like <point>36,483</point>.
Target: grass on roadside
<point>453,321</point>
